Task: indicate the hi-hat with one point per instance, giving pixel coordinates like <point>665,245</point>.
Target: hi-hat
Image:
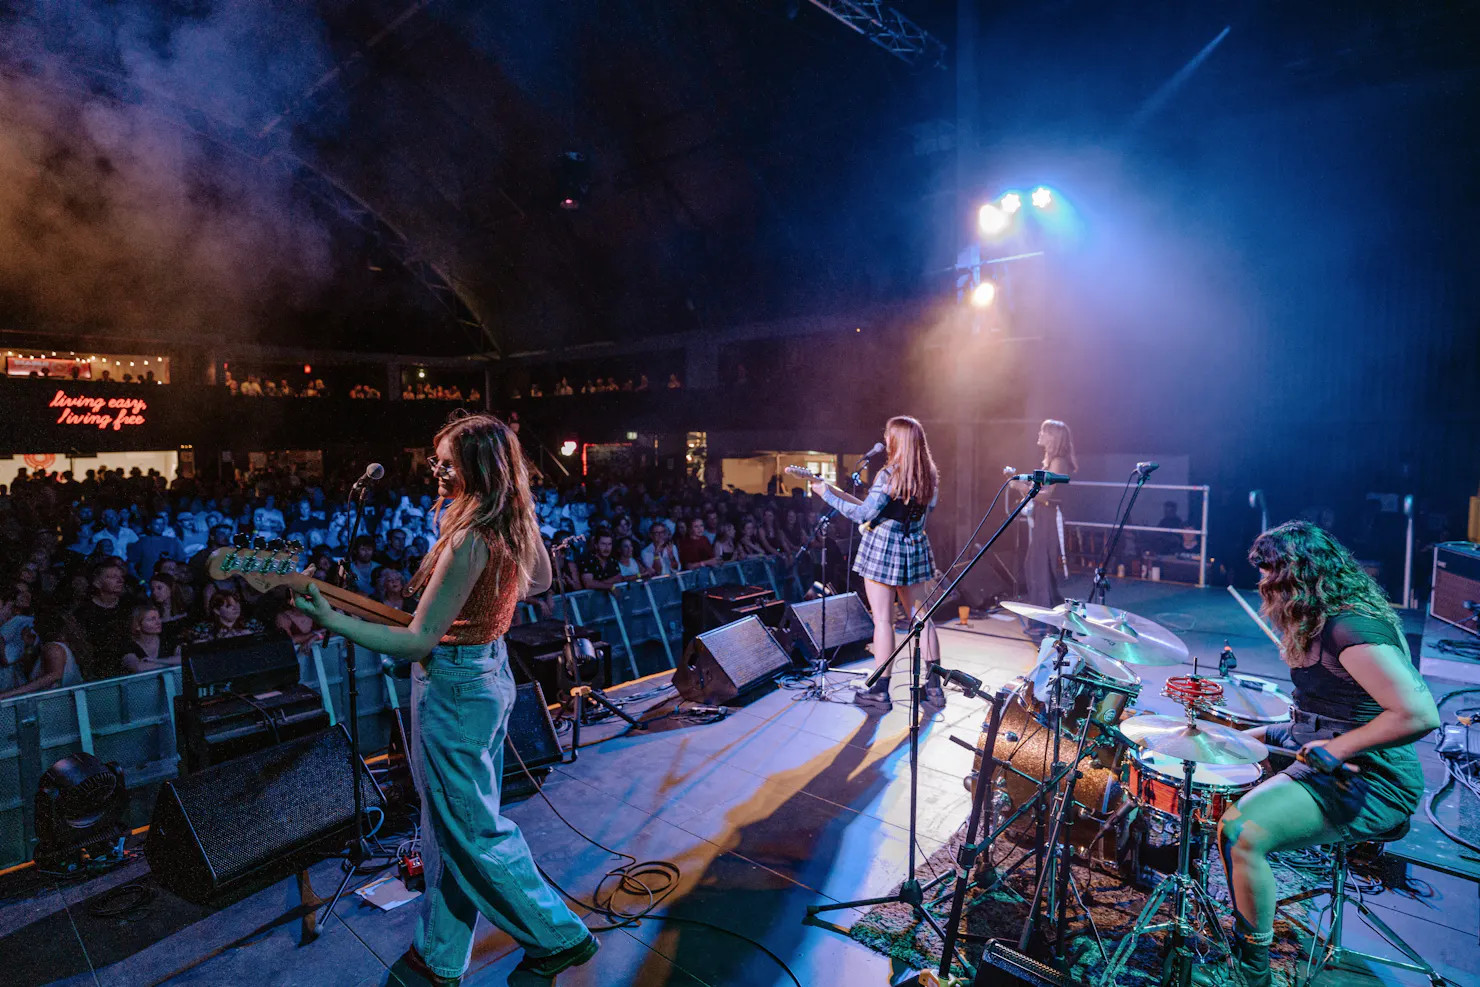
<point>1151,644</point>
<point>1069,619</point>
<point>1199,741</point>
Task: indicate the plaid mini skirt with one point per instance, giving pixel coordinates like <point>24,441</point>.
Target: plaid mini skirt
<point>894,553</point>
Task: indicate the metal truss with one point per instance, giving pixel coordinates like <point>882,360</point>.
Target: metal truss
<point>889,29</point>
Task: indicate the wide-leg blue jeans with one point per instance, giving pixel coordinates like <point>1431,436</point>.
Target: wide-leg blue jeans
<point>475,859</point>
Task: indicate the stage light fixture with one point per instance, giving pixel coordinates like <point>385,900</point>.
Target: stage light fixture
<point>1042,197</point>
<point>1011,203</point>
<point>991,220</point>
<point>80,803</point>
<point>983,295</point>
<point>568,447</point>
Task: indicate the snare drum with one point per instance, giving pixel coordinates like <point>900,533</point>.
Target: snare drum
<point>1250,701</point>
<point>1155,781</point>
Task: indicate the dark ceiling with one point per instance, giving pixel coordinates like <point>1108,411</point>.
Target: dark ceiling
<point>747,160</point>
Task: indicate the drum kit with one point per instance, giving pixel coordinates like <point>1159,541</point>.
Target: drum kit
<point>1075,765</point>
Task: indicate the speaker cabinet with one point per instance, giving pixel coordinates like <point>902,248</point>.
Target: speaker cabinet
<point>214,829</point>
<point>705,609</point>
<point>721,665</point>
<point>849,628</point>
<point>531,733</point>
<point>1456,582</point>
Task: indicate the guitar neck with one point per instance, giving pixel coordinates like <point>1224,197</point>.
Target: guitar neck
<point>357,605</point>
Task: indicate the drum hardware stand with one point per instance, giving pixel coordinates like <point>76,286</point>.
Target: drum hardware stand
<point>910,892</point>
<point>1187,891</point>
<point>1101,584</point>
<point>571,654</point>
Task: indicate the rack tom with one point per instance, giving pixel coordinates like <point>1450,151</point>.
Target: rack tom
<point>1078,693</point>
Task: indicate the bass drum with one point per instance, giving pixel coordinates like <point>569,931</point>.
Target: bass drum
<point>1026,745</point>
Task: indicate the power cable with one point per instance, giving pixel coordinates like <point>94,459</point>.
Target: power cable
<point>633,879</point>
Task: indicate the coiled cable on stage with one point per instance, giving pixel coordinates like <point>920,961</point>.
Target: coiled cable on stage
<point>654,880</point>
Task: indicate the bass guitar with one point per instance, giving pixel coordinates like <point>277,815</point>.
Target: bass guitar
<point>268,567</point>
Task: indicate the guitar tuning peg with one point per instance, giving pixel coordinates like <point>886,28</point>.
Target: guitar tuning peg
<point>295,547</point>
<point>240,541</point>
<point>276,545</point>
<point>259,543</point>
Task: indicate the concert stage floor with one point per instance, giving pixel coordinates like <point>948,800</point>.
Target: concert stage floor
<point>781,805</point>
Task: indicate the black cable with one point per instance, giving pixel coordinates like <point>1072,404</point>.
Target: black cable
<point>630,879</point>
<point>267,719</point>
<point>122,900</point>
<point>1438,795</point>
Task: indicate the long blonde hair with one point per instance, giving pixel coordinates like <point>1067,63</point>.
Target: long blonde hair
<point>491,496</point>
<point>1060,444</point>
<point>913,475</point>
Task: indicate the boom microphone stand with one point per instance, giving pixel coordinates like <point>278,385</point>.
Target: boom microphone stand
<point>910,893</point>
<point>359,850</point>
<point>1102,582</point>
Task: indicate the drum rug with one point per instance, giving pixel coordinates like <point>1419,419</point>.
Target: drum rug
<point>1114,904</point>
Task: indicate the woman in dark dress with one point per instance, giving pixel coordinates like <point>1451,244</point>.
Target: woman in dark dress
<point>1357,695</point>
<point>1041,565</point>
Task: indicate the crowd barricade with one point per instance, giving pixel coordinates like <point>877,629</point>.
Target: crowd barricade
<point>131,720</point>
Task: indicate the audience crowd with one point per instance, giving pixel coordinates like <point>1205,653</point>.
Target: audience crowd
<point>109,574</point>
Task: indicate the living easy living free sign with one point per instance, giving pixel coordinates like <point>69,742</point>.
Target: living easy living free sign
<point>114,413</point>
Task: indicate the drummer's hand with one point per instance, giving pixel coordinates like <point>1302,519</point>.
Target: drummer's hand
<point>1337,753</point>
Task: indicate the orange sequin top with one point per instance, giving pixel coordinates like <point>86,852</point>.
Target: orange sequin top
<point>489,611</point>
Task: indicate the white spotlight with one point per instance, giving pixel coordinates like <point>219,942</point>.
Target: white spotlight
<point>983,295</point>
<point>1042,197</point>
<point>568,447</point>
<point>991,220</point>
<point>1011,203</point>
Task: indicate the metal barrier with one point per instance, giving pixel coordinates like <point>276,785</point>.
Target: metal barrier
<point>1202,549</point>
<point>131,719</point>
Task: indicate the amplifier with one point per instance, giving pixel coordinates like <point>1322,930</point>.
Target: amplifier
<point>706,609</point>
<point>537,651</point>
<point>1456,583</point>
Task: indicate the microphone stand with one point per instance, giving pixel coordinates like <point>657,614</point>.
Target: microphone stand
<point>571,655</point>
<point>910,892</point>
<point>1102,582</point>
<point>359,850</point>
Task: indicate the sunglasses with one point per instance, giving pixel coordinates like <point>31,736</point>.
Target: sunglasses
<point>441,470</point>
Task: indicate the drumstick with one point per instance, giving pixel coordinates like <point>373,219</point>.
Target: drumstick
<point>1254,616</point>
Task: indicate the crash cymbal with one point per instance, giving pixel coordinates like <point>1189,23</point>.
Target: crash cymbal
<point>1199,741</point>
<point>1099,662</point>
<point>1151,644</point>
<point>1063,616</point>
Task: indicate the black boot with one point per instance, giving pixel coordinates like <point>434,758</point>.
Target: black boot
<point>877,698</point>
<point>1250,959</point>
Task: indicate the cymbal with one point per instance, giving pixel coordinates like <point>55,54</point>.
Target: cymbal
<point>1099,662</point>
<point>1199,741</point>
<point>1151,644</point>
<point>1063,616</point>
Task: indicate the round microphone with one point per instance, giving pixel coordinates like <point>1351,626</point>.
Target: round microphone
<point>1009,471</point>
<point>374,471</point>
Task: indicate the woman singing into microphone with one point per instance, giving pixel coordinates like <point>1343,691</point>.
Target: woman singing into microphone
<point>894,555</point>
<point>462,692</point>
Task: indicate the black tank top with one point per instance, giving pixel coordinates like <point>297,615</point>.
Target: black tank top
<point>1328,689</point>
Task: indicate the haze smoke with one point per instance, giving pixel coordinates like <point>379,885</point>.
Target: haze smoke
<point>115,215</point>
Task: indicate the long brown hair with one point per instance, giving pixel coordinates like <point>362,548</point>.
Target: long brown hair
<point>491,496</point>
<point>1306,577</point>
<point>914,476</point>
<point>1060,444</point>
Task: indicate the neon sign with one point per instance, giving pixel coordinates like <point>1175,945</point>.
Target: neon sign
<point>114,413</point>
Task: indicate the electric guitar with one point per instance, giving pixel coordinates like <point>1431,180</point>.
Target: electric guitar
<point>803,472</point>
<point>267,567</point>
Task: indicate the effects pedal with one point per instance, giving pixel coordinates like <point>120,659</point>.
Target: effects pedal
<point>410,870</point>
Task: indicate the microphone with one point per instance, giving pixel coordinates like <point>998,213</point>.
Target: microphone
<point>970,684</point>
<point>1146,469</point>
<point>1042,477</point>
<point>878,448</point>
<point>1010,471</point>
<point>372,473</point>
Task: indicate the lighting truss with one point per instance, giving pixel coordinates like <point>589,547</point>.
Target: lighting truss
<point>889,29</point>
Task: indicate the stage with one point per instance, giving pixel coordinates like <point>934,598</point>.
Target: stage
<point>781,805</point>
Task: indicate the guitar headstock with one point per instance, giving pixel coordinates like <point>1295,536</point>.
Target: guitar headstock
<point>802,471</point>
<point>264,565</point>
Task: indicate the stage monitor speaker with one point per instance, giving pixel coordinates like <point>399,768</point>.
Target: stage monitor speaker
<point>531,732</point>
<point>1456,582</point>
<point>213,830</point>
<point>723,664</point>
<point>849,627</point>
